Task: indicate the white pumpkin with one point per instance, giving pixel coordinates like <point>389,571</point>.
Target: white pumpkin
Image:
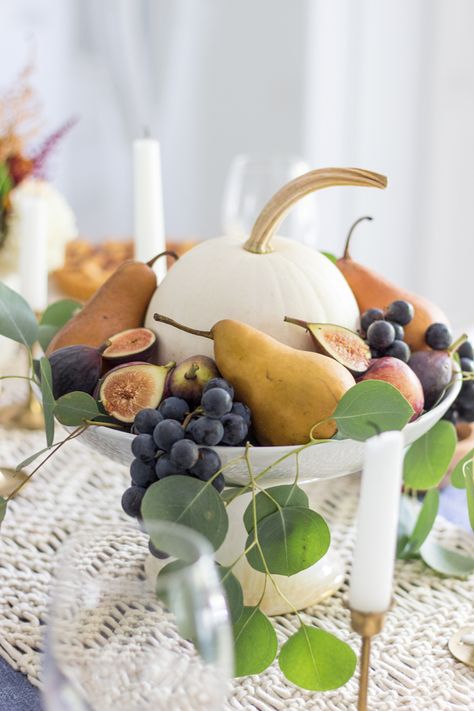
<point>259,281</point>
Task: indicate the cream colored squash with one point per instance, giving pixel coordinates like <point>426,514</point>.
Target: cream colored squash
<point>259,281</point>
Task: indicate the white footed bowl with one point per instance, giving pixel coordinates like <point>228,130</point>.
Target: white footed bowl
<point>321,461</point>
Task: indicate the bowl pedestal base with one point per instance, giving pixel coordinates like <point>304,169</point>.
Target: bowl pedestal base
<point>302,590</point>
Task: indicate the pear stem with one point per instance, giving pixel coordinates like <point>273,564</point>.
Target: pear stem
<point>346,254</point>
<point>187,329</point>
<point>296,321</point>
<point>166,253</point>
<point>458,342</point>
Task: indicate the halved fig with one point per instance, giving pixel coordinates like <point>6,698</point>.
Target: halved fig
<point>132,387</point>
<point>130,345</point>
<point>339,343</point>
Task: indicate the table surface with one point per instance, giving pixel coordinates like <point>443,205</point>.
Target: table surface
<point>17,694</point>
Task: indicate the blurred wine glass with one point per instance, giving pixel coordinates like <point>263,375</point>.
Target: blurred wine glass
<point>251,182</point>
<point>119,638</point>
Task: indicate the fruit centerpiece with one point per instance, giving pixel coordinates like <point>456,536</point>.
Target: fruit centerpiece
<point>252,369</point>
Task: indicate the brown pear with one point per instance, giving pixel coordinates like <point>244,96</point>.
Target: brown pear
<point>119,304</point>
<point>372,290</point>
<point>288,391</point>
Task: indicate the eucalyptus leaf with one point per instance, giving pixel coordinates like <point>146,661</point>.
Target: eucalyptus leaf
<point>469,477</point>
<point>370,407</point>
<point>445,561</point>
<point>3,508</point>
<point>466,464</point>
<point>230,493</point>
<point>31,458</point>
<point>424,523</point>
<point>291,540</point>
<point>46,380</point>
<point>284,495</point>
<point>188,501</point>
<point>330,256</point>
<point>54,318</point>
<point>427,459</point>
<point>74,408</point>
<point>233,593</point>
<point>255,642</point>
<point>317,660</point>
<point>17,320</point>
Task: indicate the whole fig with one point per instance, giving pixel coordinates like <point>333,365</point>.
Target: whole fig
<point>189,377</point>
<point>435,371</point>
<point>75,368</point>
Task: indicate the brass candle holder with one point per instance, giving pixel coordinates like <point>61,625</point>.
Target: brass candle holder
<point>367,625</point>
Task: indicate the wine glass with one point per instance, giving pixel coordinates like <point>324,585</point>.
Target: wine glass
<point>251,182</point>
<point>122,639</point>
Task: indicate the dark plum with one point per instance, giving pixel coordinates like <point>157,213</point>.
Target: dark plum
<point>434,370</point>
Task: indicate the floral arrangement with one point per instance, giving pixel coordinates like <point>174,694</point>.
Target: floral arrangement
<point>23,170</point>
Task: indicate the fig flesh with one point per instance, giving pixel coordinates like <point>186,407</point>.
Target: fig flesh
<point>75,368</point>
<point>131,345</point>
<point>339,343</point>
<point>132,387</point>
<point>435,371</point>
<point>189,377</point>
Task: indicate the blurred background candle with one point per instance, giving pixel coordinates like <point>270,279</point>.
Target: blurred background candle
<point>377,522</point>
<point>149,228</point>
<point>33,267</point>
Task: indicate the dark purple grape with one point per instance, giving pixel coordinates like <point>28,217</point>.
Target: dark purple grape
<point>238,408</point>
<point>466,350</point>
<point>219,383</point>
<point>216,402</point>
<point>164,467</point>
<point>132,500</point>
<point>400,311</point>
<point>451,415</point>
<point>156,552</point>
<point>375,353</point>
<point>466,396</point>
<point>144,447</point>
<point>438,336</point>
<point>400,350</point>
<point>206,466</point>
<point>399,331</point>
<point>380,335</point>
<point>174,408</point>
<point>166,433</point>
<point>184,454</point>
<point>205,430</point>
<point>235,429</point>
<point>146,421</point>
<point>142,473</point>
<point>467,365</point>
<point>369,317</point>
<point>466,412</point>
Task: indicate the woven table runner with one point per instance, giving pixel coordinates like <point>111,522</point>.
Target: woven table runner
<point>411,665</point>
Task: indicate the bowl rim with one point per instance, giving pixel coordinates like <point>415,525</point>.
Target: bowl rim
<point>450,394</point>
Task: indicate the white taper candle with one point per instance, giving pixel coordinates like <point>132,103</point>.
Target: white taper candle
<point>149,228</point>
<point>33,262</point>
<point>377,521</point>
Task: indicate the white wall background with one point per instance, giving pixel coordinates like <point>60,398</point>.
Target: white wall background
<point>382,84</point>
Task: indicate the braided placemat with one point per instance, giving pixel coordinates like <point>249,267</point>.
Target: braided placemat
<point>412,667</point>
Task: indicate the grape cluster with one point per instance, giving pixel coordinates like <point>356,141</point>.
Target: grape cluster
<point>462,408</point>
<point>172,440</point>
<point>384,331</point>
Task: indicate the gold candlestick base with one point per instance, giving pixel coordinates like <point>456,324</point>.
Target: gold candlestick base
<point>10,479</point>
<point>26,415</point>
<point>367,624</point>
<point>461,645</point>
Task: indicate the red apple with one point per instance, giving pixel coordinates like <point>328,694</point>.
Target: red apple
<point>402,377</point>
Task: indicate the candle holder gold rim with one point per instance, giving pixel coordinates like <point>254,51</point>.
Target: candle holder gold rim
<point>367,625</point>
<point>461,651</point>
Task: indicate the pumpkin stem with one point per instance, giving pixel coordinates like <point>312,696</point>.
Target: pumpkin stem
<point>194,331</point>
<point>277,207</point>
<point>346,254</point>
<point>296,321</point>
<point>166,253</point>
